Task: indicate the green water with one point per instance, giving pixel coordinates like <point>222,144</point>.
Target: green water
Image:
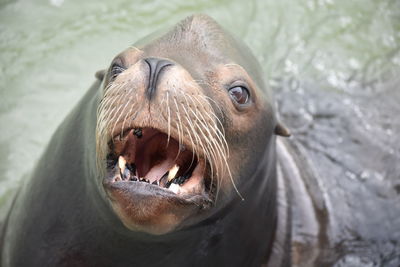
<point>50,50</point>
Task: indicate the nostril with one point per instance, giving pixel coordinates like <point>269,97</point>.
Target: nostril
<point>156,65</point>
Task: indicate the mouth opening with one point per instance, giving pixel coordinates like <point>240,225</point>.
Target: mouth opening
<point>147,155</point>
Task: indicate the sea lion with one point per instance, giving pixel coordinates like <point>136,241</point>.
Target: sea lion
<point>168,160</point>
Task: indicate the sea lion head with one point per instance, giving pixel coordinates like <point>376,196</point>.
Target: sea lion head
<point>181,125</point>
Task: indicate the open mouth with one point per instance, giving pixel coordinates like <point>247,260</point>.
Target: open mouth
<point>149,156</point>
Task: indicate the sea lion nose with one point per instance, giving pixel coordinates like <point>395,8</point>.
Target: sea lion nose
<point>156,65</point>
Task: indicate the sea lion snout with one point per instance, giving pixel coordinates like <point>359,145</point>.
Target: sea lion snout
<point>156,65</point>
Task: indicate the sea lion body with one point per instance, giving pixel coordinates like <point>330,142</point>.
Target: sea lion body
<point>76,210</point>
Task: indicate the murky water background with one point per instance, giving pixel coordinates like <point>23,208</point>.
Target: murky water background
<point>323,58</point>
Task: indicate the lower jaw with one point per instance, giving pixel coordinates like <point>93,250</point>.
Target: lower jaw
<point>135,189</point>
<point>148,208</point>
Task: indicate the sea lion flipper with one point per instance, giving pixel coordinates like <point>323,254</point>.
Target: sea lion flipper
<point>100,74</point>
<point>281,130</point>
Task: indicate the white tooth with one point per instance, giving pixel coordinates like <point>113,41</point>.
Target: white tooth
<point>174,188</point>
<point>172,172</point>
<point>121,163</point>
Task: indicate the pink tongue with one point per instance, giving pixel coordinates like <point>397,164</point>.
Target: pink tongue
<point>160,168</point>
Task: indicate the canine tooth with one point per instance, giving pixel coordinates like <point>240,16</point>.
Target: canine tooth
<point>174,188</point>
<point>121,163</point>
<point>172,172</point>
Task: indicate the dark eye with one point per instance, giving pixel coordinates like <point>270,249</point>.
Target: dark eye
<point>116,70</point>
<point>239,94</point>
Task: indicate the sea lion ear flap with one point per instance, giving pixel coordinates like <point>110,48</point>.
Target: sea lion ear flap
<point>281,130</point>
<point>100,74</point>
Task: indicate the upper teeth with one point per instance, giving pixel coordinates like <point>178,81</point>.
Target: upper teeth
<point>172,172</point>
<point>167,181</point>
<point>122,163</point>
